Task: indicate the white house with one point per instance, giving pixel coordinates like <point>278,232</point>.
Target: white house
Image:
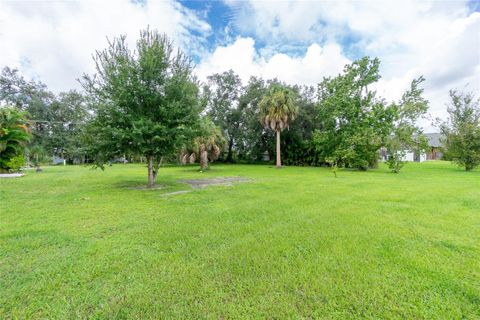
<point>414,156</point>
<point>434,151</point>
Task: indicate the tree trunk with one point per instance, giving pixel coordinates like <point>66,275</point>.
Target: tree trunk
<point>203,160</point>
<point>230,151</point>
<point>279,161</point>
<point>151,174</point>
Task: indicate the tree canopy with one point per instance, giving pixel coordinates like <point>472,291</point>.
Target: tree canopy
<point>406,135</point>
<point>56,120</point>
<point>277,110</point>
<point>462,130</point>
<point>146,101</point>
<point>224,91</point>
<point>353,121</point>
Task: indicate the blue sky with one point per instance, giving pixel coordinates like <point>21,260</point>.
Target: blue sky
<point>222,17</point>
<point>295,41</point>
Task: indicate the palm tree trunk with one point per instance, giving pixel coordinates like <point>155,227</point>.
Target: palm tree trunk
<point>279,161</point>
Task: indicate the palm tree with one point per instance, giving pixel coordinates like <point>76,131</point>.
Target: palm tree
<point>14,135</point>
<point>277,109</point>
<point>207,145</point>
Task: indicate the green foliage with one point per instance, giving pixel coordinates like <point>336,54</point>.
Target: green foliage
<point>14,164</point>
<point>56,120</point>
<point>207,144</point>
<point>14,135</point>
<point>296,145</point>
<point>146,101</point>
<point>353,122</point>
<point>462,130</point>
<point>277,107</point>
<point>255,139</point>
<point>224,92</point>
<point>71,114</point>
<point>37,154</point>
<point>406,135</point>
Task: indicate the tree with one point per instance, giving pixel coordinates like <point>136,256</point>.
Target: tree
<point>462,130</point>
<point>14,135</point>
<point>255,140</point>
<point>406,135</point>
<point>224,91</point>
<point>207,145</point>
<point>353,122</point>
<point>146,101</point>
<point>56,120</point>
<point>30,96</point>
<point>297,147</point>
<point>277,110</point>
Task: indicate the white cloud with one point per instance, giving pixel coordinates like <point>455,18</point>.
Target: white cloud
<point>437,39</point>
<point>243,59</point>
<point>295,41</point>
<point>54,41</point>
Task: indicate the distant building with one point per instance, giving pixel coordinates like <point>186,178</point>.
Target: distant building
<point>435,146</point>
<point>414,156</point>
<point>434,151</point>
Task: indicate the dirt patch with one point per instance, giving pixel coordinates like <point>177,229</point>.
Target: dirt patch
<point>219,181</point>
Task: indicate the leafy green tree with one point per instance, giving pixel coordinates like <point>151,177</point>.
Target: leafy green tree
<point>297,140</point>
<point>146,101</point>
<point>224,91</point>
<point>30,96</point>
<point>14,135</point>
<point>255,140</point>
<point>296,147</point>
<point>69,116</point>
<point>406,135</point>
<point>462,130</point>
<point>353,122</point>
<point>277,110</point>
<point>56,120</point>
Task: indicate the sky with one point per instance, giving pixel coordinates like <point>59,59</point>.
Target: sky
<point>298,42</point>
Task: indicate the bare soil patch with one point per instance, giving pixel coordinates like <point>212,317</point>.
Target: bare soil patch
<point>222,181</point>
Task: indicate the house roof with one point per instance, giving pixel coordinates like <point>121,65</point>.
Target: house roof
<point>434,139</point>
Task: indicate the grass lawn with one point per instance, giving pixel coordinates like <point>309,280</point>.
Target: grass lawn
<point>294,243</point>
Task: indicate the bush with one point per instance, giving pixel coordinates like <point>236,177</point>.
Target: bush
<point>15,163</point>
<point>14,135</point>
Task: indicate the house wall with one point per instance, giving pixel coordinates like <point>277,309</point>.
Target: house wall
<point>410,156</point>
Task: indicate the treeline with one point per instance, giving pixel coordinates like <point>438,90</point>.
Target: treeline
<point>146,104</point>
<point>56,120</point>
<point>342,121</point>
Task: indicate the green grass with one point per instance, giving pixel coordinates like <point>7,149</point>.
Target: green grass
<point>294,243</point>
